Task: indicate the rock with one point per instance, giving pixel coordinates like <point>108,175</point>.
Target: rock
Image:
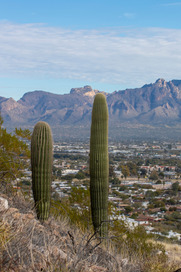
<point>12,210</point>
<point>28,216</point>
<point>58,253</point>
<point>3,204</point>
<point>124,262</point>
<point>96,268</point>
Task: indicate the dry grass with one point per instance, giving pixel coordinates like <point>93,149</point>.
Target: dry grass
<point>4,234</point>
<point>174,252</point>
<point>50,246</point>
<point>29,245</point>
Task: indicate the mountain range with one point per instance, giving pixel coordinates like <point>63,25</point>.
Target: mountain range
<point>152,111</point>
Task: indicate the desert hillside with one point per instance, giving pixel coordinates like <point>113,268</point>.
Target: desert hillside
<point>56,245</point>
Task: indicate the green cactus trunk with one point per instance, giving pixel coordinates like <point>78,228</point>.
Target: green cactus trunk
<point>99,165</point>
<point>41,166</point>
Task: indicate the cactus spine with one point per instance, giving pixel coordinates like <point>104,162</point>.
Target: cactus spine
<point>99,164</point>
<point>41,165</point>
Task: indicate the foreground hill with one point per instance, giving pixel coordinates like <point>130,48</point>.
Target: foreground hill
<point>56,245</point>
<point>152,110</point>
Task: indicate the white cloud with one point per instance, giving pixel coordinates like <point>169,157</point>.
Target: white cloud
<point>117,56</point>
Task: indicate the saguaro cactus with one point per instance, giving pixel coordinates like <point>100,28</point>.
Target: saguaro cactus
<point>41,165</point>
<point>99,164</point>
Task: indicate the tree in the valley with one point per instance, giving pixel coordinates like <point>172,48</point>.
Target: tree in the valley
<point>175,187</point>
<point>133,168</point>
<point>153,175</point>
<point>125,171</point>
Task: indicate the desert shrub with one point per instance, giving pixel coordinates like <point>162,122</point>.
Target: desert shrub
<point>4,234</point>
<point>76,208</point>
<point>133,241</point>
<point>14,152</point>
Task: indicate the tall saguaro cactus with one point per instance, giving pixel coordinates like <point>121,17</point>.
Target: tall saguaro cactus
<point>99,164</point>
<point>41,165</point>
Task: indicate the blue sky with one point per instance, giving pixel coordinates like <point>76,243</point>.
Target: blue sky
<point>111,45</point>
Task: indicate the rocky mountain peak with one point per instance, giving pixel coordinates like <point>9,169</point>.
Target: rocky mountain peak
<point>86,90</point>
<point>161,82</point>
<point>9,104</point>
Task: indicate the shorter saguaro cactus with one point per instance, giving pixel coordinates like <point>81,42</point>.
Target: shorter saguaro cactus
<point>99,164</point>
<point>41,166</point>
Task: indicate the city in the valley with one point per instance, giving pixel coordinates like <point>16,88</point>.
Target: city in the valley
<point>144,182</point>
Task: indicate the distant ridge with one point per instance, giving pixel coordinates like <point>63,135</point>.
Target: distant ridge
<point>133,113</point>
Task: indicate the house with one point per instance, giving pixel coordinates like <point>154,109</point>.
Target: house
<point>169,174</point>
